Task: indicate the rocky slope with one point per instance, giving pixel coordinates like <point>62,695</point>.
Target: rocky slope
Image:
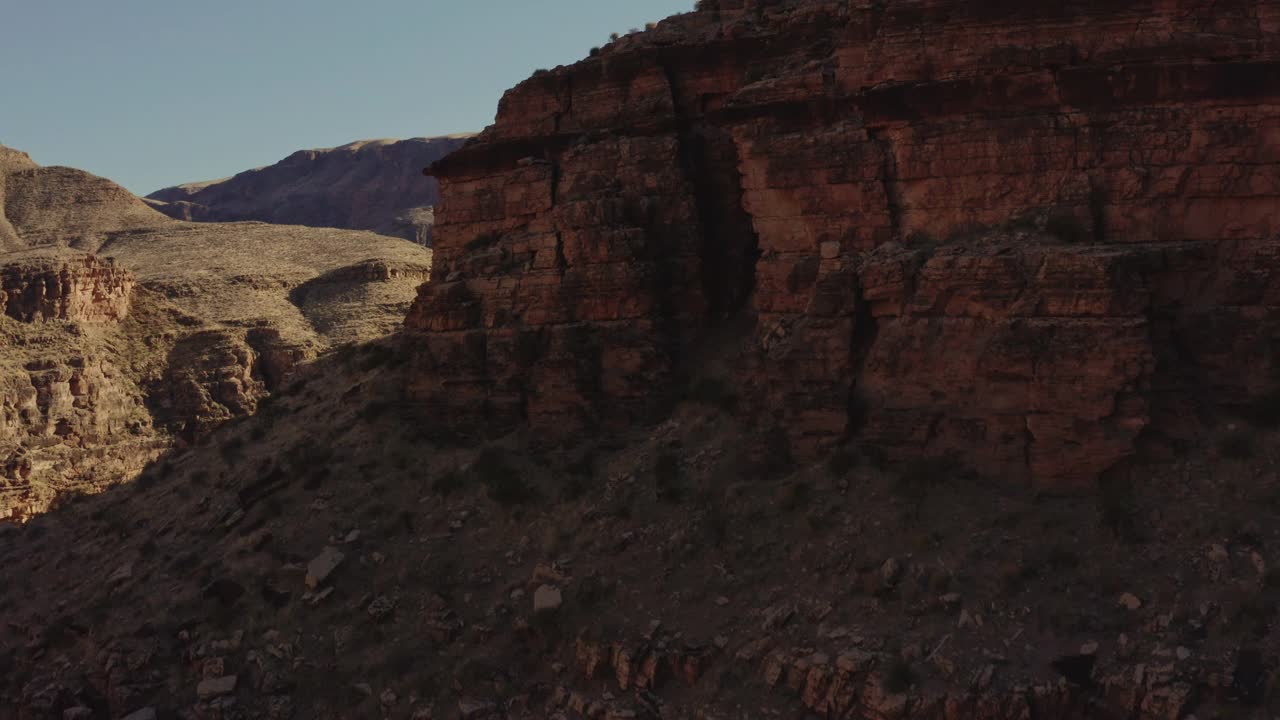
<point>324,558</point>
<point>367,185</point>
<point>123,331</point>
<point>1030,239</point>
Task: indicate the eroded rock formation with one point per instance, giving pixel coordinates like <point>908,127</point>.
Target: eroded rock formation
<point>1019,236</point>
<point>83,288</point>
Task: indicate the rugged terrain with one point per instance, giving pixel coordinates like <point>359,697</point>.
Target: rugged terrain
<point>371,185</point>
<point>793,358</point>
<point>325,558</point>
<point>122,330</point>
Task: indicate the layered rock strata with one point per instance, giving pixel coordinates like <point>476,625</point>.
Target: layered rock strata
<point>84,288</point>
<point>1021,237</point>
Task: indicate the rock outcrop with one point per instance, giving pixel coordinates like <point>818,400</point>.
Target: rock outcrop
<point>53,287</point>
<point>367,185</point>
<point>1019,237</point>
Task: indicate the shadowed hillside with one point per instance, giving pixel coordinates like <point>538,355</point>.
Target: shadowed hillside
<point>367,185</point>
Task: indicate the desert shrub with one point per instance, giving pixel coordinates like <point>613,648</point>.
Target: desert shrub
<point>505,484</point>
<point>713,392</point>
<point>716,521</point>
<point>1117,506</point>
<point>309,456</point>
<point>620,506</point>
<point>1022,223</point>
<point>592,590</point>
<point>1236,445</point>
<point>376,355</point>
<point>1098,211</point>
<point>316,478</point>
<point>899,676</point>
<point>1264,411</point>
<point>918,477</point>
<point>1066,227</point>
<point>1271,581</point>
<point>272,507</point>
<point>966,232</point>
<point>152,475</point>
<point>232,448</point>
<point>1250,612</point>
<point>669,478</point>
<point>404,658</point>
<point>374,410</point>
<point>1062,559</point>
<point>528,347</point>
<point>578,475</point>
<point>69,500</point>
<point>842,461</point>
<point>573,487</point>
<point>484,241</point>
<point>448,483</point>
<point>269,407</point>
<point>185,562</point>
<point>920,238</point>
<point>795,495</point>
<point>777,452</point>
<point>407,521</point>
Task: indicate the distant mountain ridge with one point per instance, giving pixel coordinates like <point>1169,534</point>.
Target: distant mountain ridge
<point>364,185</point>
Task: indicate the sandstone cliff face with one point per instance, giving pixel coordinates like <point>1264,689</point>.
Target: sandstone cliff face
<point>368,185</point>
<point>71,419</point>
<point>84,288</point>
<point>1017,236</point>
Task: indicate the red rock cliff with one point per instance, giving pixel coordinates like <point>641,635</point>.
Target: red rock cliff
<point>1019,235</point>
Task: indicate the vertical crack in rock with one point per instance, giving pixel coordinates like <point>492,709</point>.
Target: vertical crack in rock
<point>889,179</point>
<point>865,330</point>
<point>730,246</point>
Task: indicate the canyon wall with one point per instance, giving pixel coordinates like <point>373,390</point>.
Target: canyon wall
<point>1018,236</point>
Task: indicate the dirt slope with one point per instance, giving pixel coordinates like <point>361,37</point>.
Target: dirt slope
<point>663,573</point>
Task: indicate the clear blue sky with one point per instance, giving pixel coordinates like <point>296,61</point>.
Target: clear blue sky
<point>152,93</point>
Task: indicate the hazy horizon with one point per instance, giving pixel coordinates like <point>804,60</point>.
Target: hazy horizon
<point>218,89</point>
